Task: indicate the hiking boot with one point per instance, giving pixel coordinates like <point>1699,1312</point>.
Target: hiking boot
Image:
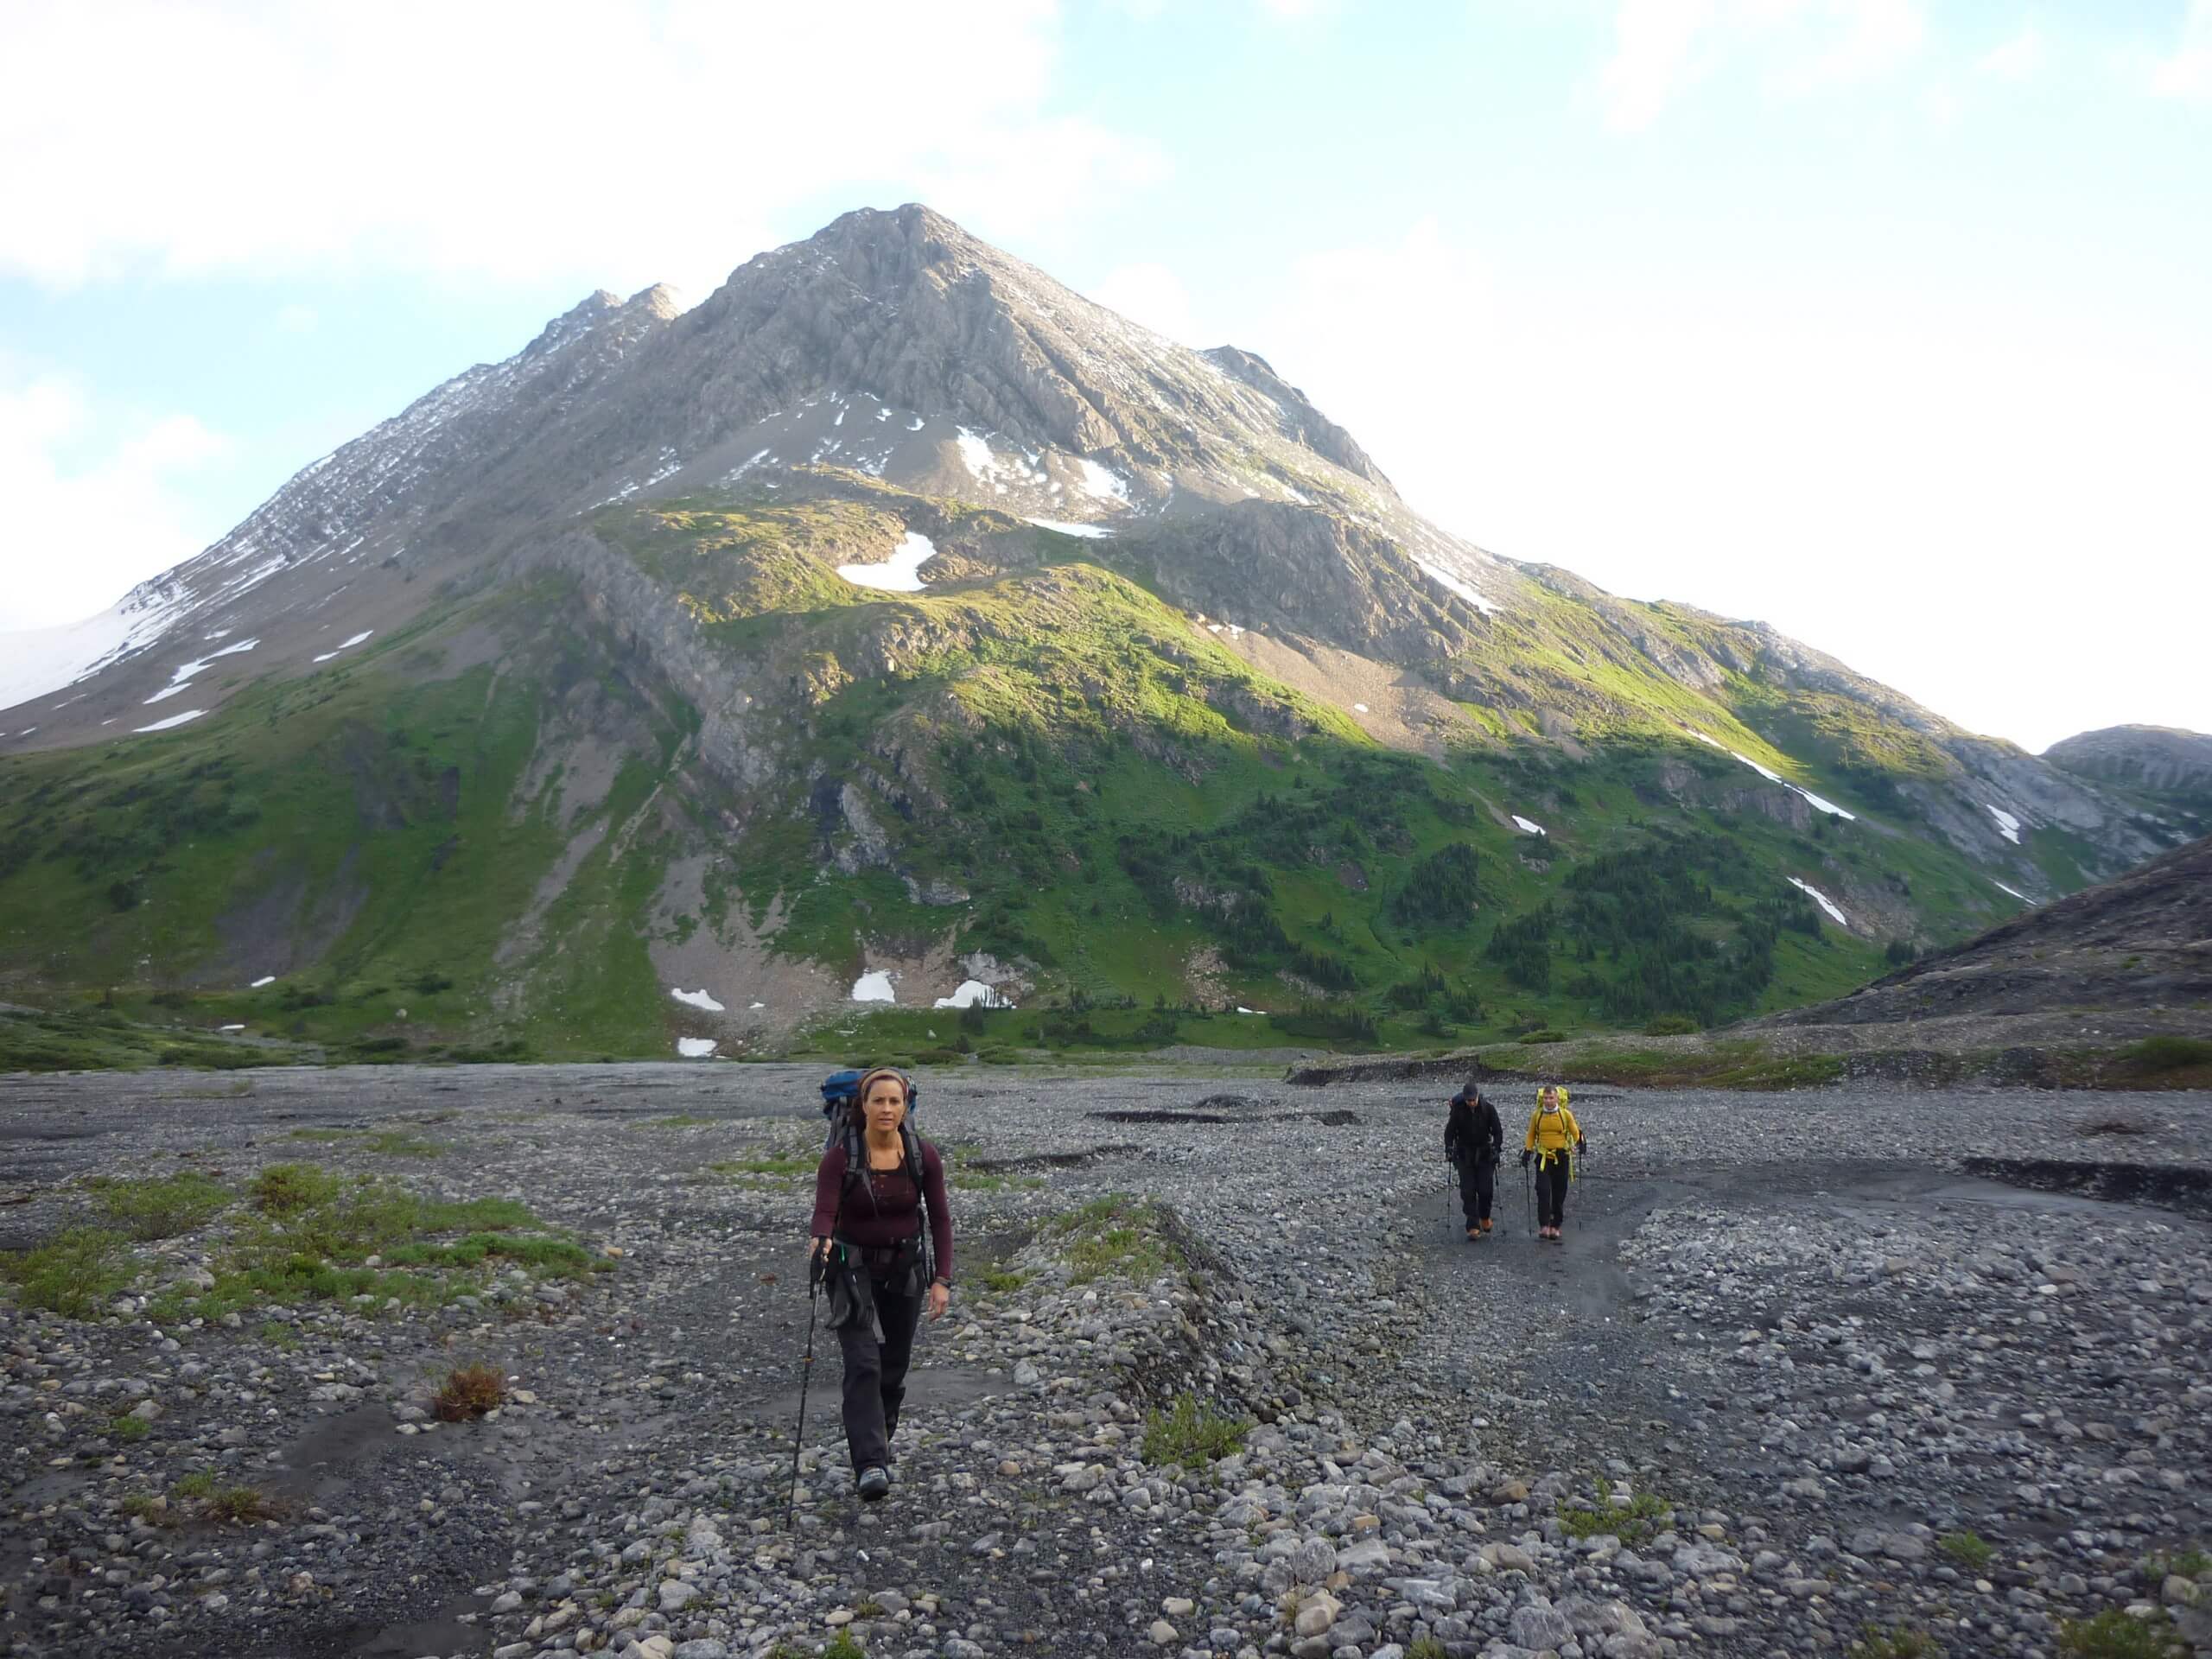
<point>1474,1235</point>
<point>1485,1223</point>
<point>874,1484</point>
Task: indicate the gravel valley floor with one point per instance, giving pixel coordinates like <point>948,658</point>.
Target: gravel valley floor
<point>1805,1366</point>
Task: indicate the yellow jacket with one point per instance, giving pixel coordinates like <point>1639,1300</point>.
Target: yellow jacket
<point>1552,1131</point>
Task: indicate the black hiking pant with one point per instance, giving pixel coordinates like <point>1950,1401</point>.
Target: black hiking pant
<point>875,1372</point>
<point>1477,1183</point>
<point>1551,1192</point>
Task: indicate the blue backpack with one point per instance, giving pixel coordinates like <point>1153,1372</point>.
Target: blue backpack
<point>841,1103</point>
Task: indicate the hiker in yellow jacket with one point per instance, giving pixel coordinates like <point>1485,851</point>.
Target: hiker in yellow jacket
<point>1553,1141</point>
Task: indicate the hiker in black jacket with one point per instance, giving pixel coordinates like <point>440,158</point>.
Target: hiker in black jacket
<point>1473,1137</point>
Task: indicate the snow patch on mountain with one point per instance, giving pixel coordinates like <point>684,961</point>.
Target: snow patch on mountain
<point>899,573</point>
<point>1527,826</point>
<point>976,455</point>
<point>2007,825</point>
<point>182,675</point>
<point>973,994</point>
<point>1089,532</point>
<point>2015,891</point>
<point>1822,900</point>
<point>1445,579</point>
<point>1771,777</point>
<point>1821,803</point>
<point>698,999</point>
<point>173,721</point>
<point>1818,803</point>
<point>1101,482</point>
<point>696,1048</point>
<point>874,987</point>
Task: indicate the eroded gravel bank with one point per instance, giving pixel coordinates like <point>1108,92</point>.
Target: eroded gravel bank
<point>1792,1340</point>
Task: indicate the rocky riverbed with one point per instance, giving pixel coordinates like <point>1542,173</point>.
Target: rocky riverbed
<point>1221,1376</point>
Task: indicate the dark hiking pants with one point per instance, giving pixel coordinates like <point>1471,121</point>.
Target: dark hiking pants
<point>1477,1182</point>
<point>1551,1192</point>
<point>875,1372</point>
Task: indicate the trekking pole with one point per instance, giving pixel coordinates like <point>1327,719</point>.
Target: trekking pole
<point>805,1376</point>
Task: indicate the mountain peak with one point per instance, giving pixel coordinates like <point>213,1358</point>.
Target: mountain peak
<point>659,302</point>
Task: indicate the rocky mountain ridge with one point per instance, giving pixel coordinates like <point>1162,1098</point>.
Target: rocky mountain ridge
<point>896,561</point>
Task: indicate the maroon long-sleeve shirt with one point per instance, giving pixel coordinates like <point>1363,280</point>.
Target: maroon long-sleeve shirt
<point>884,1212</point>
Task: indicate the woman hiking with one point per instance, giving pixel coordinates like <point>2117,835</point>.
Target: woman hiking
<point>1473,1140</point>
<point>881,1261</point>
<point>1553,1140</point>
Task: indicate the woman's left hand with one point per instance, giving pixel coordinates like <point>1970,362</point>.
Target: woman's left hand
<point>940,1299</point>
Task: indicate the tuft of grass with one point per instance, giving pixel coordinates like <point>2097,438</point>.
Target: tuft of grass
<point>1898,1642</point>
<point>1630,1522</point>
<point>1427,1647</point>
<point>160,1206</point>
<point>144,1506</point>
<point>123,1426</point>
<point>322,1238</point>
<point>1004,1281</point>
<point>194,1487</point>
<point>469,1392</point>
<point>1116,1234</point>
<point>844,1645</point>
<point>74,1274</point>
<point>1968,1549</point>
<point>2190,1563</point>
<point>2112,1635</point>
<point>1191,1435</point>
<point>240,1506</point>
<point>290,1189</point>
<point>2168,1053</point>
<point>397,1143</point>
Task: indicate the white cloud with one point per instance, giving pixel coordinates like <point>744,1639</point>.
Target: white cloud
<point>1652,42</point>
<point>1833,43</point>
<point>2017,60</point>
<point>1151,294</point>
<point>618,144</point>
<point>2188,71</point>
<point>91,506</point>
<point>1660,47</point>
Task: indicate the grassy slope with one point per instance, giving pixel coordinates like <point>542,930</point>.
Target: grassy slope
<point>1064,742</point>
<point>147,870</point>
<point>1067,711</point>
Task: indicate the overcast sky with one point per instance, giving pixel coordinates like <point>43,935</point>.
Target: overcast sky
<point>1884,320</point>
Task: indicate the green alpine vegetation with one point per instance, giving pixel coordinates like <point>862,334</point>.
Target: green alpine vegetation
<point>1120,798</point>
